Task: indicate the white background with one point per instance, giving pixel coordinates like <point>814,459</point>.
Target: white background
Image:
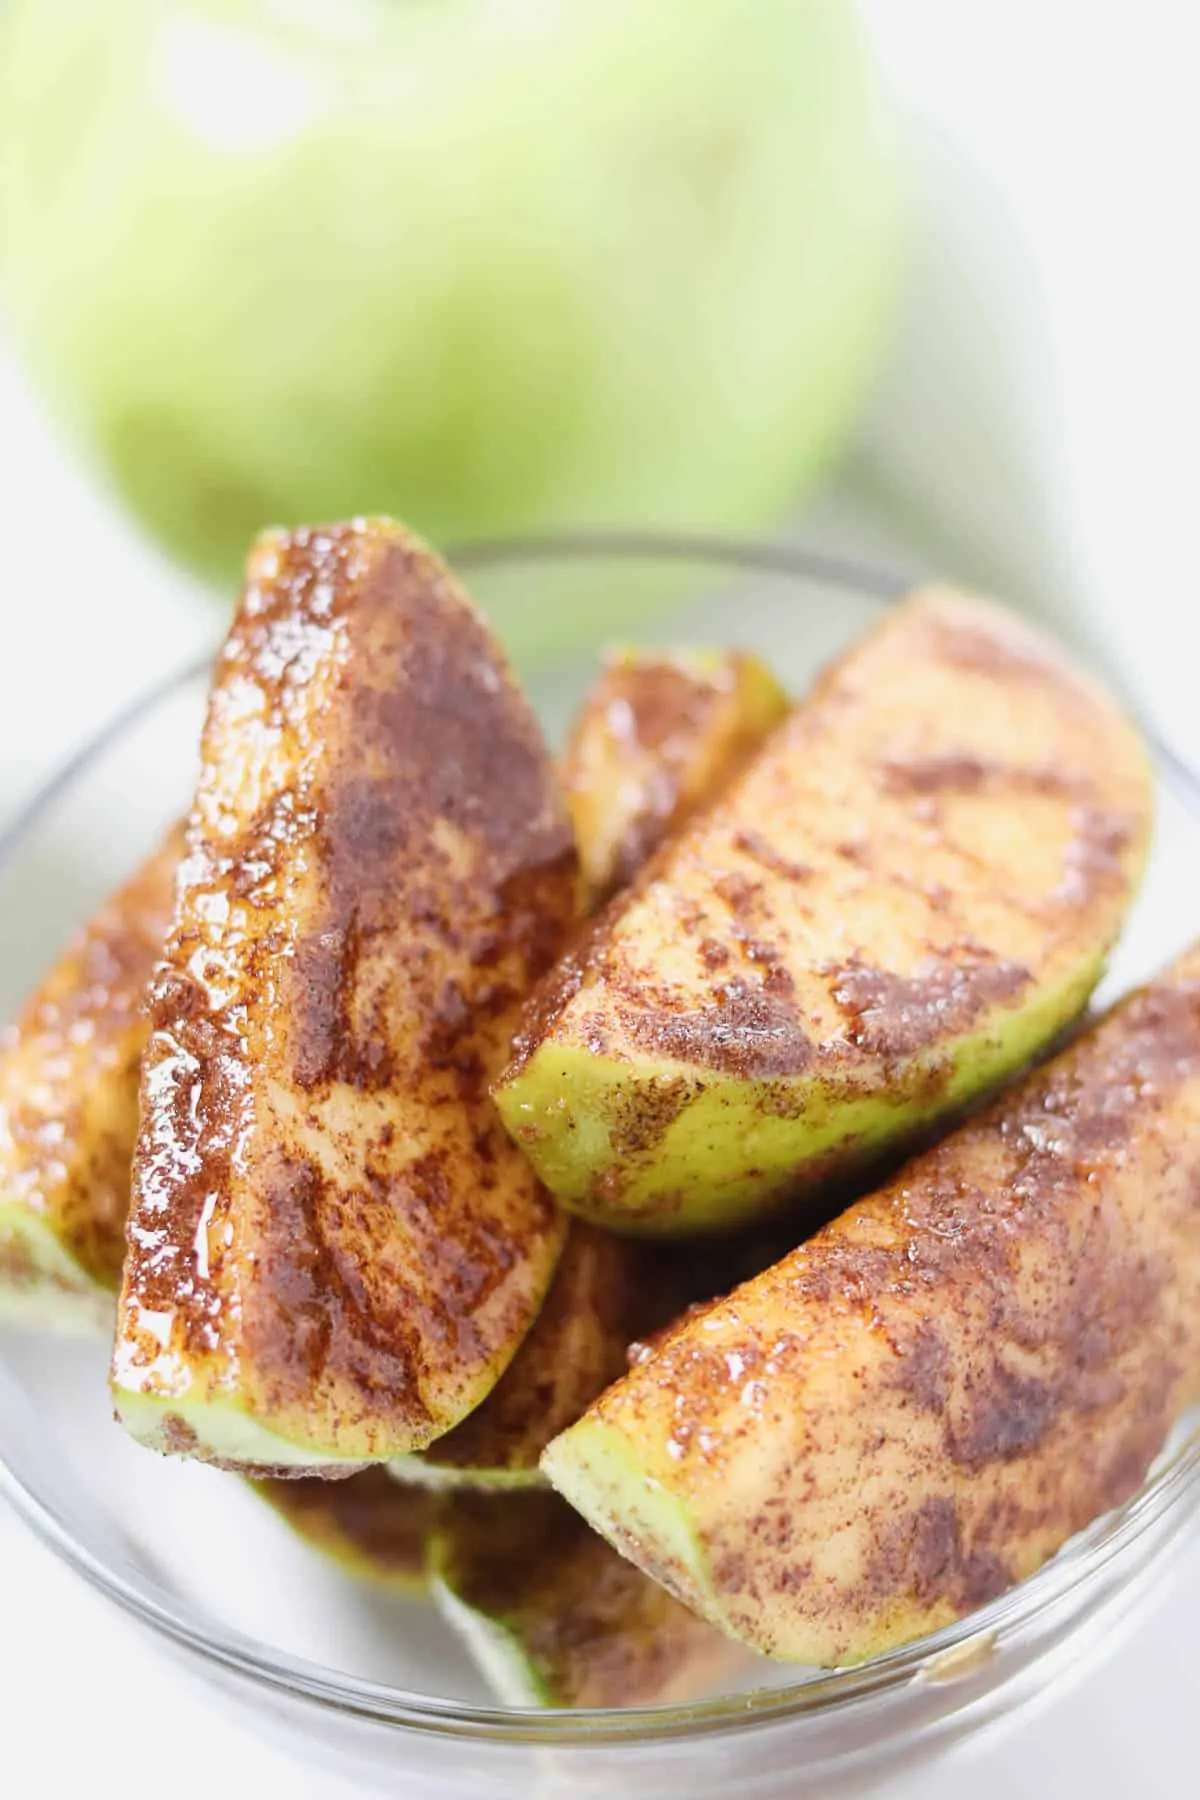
<point>1038,431</point>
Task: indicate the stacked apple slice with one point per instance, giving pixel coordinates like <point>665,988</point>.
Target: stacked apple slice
<point>385,1046</point>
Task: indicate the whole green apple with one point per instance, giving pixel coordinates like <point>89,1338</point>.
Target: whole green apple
<point>491,265</point>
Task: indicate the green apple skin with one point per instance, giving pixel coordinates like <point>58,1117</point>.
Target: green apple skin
<point>492,265</point>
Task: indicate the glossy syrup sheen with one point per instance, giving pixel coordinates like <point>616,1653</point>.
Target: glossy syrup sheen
<point>330,1228</point>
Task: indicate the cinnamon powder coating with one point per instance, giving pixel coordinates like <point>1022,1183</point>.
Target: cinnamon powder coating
<point>916,1407</point>
<point>602,1295</point>
<point>68,1077</point>
<point>658,736</point>
<point>945,832</point>
<point>330,1227</point>
<point>607,1292</point>
<point>740,1015</point>
<point>890,1015</point>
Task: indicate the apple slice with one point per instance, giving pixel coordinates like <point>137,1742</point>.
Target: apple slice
<point>906,894</point>
<point>918,1406</point>
<point>661,732</point>
<point>334,1250</point>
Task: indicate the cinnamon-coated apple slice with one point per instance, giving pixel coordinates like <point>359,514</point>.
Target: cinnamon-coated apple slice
<point>334,1248</point>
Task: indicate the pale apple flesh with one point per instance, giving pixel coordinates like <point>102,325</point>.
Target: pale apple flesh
<point>910,889</point>
<point>334,1251</point>
<point>921,1404</point>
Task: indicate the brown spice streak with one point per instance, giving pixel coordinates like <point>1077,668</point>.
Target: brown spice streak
<point>921,1552</point>
<point>401,885</point>
<point>596,1303</point>
<point>1008,654</point>
<point>760,849</point>
<point>950,773</point>
<point>744,1030</point>
<point>667,705</point>
<point>583,959</point>
<point>1029,1293</point>
<point>889,1015</point>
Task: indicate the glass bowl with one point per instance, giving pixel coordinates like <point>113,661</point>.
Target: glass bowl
<point>376,1683</point>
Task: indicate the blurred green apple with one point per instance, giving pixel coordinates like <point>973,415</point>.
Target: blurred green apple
<point>491,265</point>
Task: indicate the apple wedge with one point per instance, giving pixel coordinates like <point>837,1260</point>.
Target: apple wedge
<point>908,892</point>
<point>659,735</point>
<point>922,1403</point>
<point>334,1250</point>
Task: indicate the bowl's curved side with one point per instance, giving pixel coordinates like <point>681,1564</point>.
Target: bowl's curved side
<point>835,1723</point>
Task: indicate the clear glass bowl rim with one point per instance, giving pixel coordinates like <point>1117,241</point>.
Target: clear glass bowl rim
<point>1167,1491</point>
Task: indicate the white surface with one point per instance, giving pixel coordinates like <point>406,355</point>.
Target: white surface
<point>1038,430</point>
<point>1041,419</point>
